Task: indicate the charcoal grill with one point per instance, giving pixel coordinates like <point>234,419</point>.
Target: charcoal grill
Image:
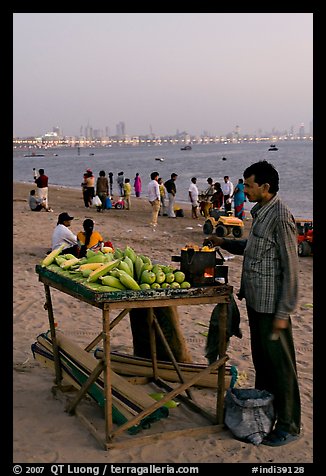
<point>202,268</point>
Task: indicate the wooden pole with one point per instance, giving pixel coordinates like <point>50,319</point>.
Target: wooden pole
<point>107,375</point>
<point>152,340</point>
<point>57,365</point>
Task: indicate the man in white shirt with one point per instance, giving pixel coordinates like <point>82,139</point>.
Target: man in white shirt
<point>193,195</point>
<point>227,188</point>
<point>154,197</point>
<point>62,235</point>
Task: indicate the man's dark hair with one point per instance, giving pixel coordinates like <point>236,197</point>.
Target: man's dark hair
<point>264,172</point>
<point>154,174</point>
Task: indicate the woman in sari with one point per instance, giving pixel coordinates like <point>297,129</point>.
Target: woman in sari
<point>239,199</point>
<point>137,185</point>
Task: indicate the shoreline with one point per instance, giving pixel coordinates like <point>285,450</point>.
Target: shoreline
<point>43,431</point>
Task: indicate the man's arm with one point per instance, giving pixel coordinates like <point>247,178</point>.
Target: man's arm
<point>233,246</point>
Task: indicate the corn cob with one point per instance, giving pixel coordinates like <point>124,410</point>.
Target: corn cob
<point>130,264</point>
<point>69,263</point>
<point>128,281</point>
<point>60,259</point>
<point>91,266</point>
<point>51,256</point>
<point>118,253</point>
<point>103,270</point>
<point>123,265</point>
<point>97,258</point>
<point>138,266</point>
<point>114,272</point>
<point>112,281</point>
<point>130,253</point>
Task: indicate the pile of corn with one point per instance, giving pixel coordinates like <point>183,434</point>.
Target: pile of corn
<point>115,270</point>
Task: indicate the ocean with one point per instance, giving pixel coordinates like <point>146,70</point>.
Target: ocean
<point>293,160</point>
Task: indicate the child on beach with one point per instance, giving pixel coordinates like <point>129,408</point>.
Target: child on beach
<point>127,193</point>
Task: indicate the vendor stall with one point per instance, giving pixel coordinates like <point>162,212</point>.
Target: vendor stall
<point>125,301</point>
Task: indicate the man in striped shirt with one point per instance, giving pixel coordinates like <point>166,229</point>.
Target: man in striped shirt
<point>269,283</point>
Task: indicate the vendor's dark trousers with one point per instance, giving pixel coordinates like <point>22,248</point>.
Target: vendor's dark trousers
<point>275,367</point>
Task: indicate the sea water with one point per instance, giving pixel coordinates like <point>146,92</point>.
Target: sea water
<point>66,166</point>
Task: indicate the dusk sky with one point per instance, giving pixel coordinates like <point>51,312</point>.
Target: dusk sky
<point>163,72</point>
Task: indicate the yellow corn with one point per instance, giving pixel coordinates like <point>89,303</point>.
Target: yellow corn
<point>69,262</point>
<point>103,270</point>
<point>51,256</point>
<point>91,266</point>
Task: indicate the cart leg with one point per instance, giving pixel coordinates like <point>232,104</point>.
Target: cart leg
<point>107,376</point>
<point>152,340</point>
<point>57,366</point>
<point>221,371</point>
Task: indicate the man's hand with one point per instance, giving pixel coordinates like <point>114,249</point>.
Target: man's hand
<point>213,240</point>
<point>278,325</point>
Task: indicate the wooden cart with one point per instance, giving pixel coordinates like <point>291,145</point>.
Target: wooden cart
<point>126,300</point>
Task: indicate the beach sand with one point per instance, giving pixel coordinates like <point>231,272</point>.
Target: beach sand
<point>43,432</point>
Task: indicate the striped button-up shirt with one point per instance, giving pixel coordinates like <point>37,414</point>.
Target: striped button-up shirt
<point>269,280</point>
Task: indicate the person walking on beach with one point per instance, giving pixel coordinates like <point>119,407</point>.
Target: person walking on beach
<point>90,187</point>
<point>163,194</point>
<point>172,191</point>
<point>102,189</point>
<point>227,188</point>
<point>120,182</point>
<point>111,184</point>
<point>137,185</point>
<point>193,196</point>
<point>84,190</point>
<point>210,189</point>
<point>269,284</point>
<point>62,235</point>
<point>127,193</point>
<point>239,199</point>
<point>153,192</point>
<point>42,187</point>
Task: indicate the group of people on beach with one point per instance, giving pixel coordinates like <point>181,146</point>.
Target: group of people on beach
<point>104,189</point>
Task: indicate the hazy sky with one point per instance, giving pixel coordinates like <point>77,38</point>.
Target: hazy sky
<point>190,72</point>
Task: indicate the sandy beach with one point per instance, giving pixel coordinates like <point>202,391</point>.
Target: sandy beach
<point>43,432</point>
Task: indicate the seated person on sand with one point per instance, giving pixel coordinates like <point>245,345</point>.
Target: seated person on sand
<point>89,239</point>
<point>36,204</point>
<point>62,235</point>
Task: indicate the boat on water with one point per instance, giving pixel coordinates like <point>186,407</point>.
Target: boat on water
<point>160,159</point>
<point>34,155</point>
<point>186,147</point>
<point>273,147</point>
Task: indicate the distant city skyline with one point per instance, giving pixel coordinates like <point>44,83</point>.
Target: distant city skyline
<point>122,131</point>
<point>162,72</point>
